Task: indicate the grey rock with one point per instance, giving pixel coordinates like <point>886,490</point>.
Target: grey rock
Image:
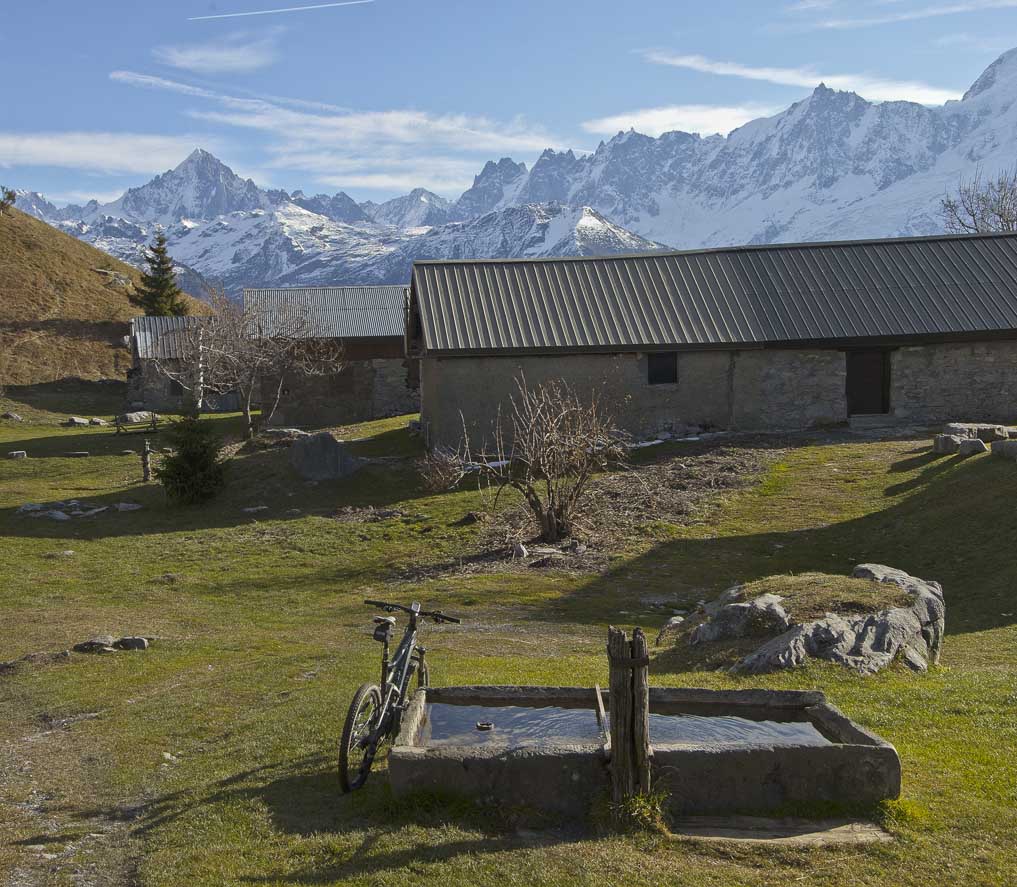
<point>128,452</point>
<point>671,627</point>
<point>972,447</point>
<point>30,508</point>
<point>322,457</point>
<point>99,422</point>
<point>254,509</point>
<point>730,618</point>
<point>140,417</point>
<point>946,444</point>
<point>985,431</point>
<point>130,643</point>
<point>53,555</point>
<point>17,454</point>
<point>102,643</point>
<point>13,417</point>
<point>519,550</point>
<point>126,506</point>
<point>284,432</point>
<point>1005,449</point>
<point>75,422</point>
<point>866,643</point>
<point>77,454</point>
<point>57,515</point>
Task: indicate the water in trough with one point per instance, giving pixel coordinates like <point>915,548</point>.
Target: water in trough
<point>521,726</point>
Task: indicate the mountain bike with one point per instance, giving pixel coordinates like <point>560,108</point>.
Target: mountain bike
<point>375,712</point>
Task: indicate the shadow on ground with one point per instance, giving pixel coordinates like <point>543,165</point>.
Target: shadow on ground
<point>951,527</point>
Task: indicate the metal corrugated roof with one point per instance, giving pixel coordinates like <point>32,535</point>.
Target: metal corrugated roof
<point>759,295</point>
<point>158,338</point>
<point>340,312</point>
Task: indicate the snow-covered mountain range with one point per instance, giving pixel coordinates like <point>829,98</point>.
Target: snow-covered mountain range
<point>831,166</point>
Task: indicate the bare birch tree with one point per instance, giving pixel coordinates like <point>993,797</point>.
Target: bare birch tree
<point>982,205</point>
<point>555,443</point>
<point>241,350</point>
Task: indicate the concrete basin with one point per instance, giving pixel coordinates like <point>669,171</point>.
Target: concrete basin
<point>714,751</point>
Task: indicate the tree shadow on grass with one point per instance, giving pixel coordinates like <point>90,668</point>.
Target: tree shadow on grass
<point>302,798</point>
<point>261,478</point>
<point>955,527</point>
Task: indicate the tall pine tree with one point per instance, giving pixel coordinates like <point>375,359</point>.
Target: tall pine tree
<point>159,294</point>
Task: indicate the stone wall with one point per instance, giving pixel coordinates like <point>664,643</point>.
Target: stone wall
<point>972,381</point>
<point>364,390</point>
<point>750,390</point>
<point>149,388</point>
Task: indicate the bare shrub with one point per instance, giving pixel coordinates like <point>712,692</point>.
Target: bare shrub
<point>982,205</point>
<point>555,443</point>
<point>236,347</point>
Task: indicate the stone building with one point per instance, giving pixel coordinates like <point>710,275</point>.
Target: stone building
<point>376,381</point>
<point>154,379</point>
<point>915,330</point>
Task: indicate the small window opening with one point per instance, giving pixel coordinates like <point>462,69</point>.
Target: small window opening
<point>662,369</point>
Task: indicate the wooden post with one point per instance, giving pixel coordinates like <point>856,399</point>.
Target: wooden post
<point>623,774</point>
<point>641,710</point>
<point>630,714</point>
<point>146,462</point>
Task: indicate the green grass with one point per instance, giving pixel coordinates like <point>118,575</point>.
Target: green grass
<point>262,638</point>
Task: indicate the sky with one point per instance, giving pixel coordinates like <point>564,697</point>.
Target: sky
<point>376,97</point>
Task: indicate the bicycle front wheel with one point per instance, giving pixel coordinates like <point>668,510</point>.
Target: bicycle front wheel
<point>356,751</point>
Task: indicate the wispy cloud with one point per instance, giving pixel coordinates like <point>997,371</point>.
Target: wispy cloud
<point>871,87</point>
<point>365,148</point>
<point>234,53</point>
<point>973,42</point>
<point>203,18</point>
<point>705,119</point>
<point>105,152</point>
<point>911,14</point>
<point>65,197</point>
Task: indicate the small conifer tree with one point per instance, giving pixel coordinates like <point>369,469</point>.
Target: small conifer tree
<point>7,198</point>
<point>195,472</point>
<point>159,294</point>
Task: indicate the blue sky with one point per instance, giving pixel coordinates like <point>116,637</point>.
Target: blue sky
<point>377,96</point>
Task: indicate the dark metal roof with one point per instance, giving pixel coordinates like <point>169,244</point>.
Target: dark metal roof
<point>159,338</point>
<point>742,296</point>
<point>339,312</point>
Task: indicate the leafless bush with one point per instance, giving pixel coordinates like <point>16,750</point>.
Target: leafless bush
<point>555,444</point>
<point>982,206</point>
<point>236,347</point>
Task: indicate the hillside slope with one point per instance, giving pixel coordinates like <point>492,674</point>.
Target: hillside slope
<point>64,305</point>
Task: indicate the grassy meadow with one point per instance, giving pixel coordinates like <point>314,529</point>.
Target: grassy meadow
<point>209,758</point>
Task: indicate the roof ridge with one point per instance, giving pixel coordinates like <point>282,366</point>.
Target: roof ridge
<point>749,247</point>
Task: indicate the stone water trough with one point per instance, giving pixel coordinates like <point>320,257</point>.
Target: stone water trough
<point>712,751</point>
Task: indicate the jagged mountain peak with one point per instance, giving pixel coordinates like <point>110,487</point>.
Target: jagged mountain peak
<point>418,209</point>
<point>1002,70</point>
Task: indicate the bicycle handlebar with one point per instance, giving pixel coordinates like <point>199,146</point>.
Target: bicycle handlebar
<point>436,615</point>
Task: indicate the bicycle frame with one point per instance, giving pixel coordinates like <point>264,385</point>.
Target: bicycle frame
<point>395,675</point>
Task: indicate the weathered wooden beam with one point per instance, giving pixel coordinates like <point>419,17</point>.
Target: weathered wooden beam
<point>623,774</point>
<point>641,711</point>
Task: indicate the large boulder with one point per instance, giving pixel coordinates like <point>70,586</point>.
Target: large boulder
<point>866,643</point>
<point>1006,449</point>
<point>140,417</point>
<point>985,431</point>
<point>946,444</point>
<point>322,456</point>
<point>75,422</point>
<point>972,446</point>
<point>730,618</point>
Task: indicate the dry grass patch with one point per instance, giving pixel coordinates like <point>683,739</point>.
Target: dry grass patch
<point>809,596</point>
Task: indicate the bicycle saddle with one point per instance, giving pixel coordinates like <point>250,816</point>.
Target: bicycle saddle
<point>381,620</point>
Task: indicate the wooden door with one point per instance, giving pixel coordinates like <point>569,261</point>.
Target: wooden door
<point>868,382</point>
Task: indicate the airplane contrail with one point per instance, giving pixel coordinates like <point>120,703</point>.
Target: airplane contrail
<point>199,18</point>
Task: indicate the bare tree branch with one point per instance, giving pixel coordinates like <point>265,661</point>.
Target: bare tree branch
<point>557,443</point>
<point>233,349</point>
<point>982,205</point>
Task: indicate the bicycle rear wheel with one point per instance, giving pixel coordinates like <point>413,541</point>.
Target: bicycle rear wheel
<point>356,752</point>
